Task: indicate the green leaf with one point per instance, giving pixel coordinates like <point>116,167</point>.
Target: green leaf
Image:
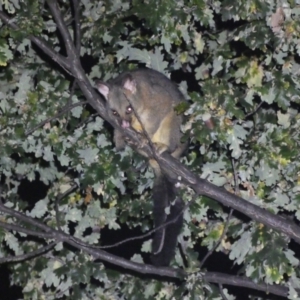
<point>40,208</point>
<point>88,155</point>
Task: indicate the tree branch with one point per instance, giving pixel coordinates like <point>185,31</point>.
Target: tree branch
<point>75,65</point>
<point>19,228</point>
<point>219,278</point>
<point>24,218</point>
<point>70,48</point>
<point>63,111</point>
<point>77,26</point>
<point>211,277</point>
<point>221,292</point>
<point>60,236</point>
<point>27,256</point>
<point>205,188</point>
<point>210,252</point>
<point>58,199</point>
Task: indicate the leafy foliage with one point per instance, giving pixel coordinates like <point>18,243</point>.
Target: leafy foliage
<point>237,63</point>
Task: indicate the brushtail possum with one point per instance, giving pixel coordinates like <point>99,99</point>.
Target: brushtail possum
<point>144,100</point>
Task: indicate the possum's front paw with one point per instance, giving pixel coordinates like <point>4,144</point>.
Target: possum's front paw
<point>160,147</point>
<point>143,141</point>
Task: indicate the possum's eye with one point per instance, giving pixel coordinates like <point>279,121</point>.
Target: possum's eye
<point>129,110</point>
<point>115,113</point>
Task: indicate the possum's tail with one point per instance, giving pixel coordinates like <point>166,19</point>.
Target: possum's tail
<point>165,239</point>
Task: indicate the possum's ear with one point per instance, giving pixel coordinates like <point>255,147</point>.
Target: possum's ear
<point>129,84</point>
<point>103,89</point>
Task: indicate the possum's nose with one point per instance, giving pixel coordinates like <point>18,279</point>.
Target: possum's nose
<point>125,124</point>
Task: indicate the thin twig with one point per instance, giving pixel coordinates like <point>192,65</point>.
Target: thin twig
<point>27,256</point>
<point>57,200</point>
<point>235,177</point>
<point>72,90</point>
<point>209,253</point>
<point>254,111</point>
<point>63,111</point>
<point>221,292</point>
<point>85,121</point>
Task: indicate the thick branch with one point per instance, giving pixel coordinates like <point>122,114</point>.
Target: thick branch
<point>21,229</point>
<point>24,218</point>
<point>63,30</point>
<point>73,56</point>
<point>205,188</point>
<point>77,25</point>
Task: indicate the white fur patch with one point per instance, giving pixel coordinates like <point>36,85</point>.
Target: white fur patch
<point>130,85</point>
<point>103,89</point>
